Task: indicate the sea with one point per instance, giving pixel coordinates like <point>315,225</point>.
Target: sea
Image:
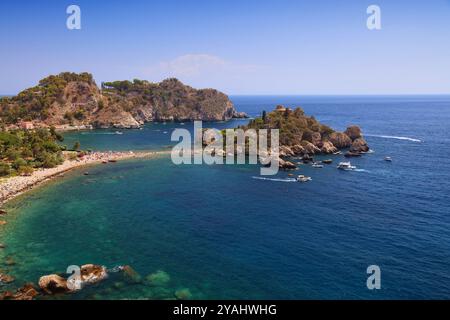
<point>225,232</point>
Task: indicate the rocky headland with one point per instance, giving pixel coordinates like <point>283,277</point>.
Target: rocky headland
<point>70,100</point>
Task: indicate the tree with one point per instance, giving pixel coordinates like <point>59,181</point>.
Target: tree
<point>76,146</point>
<point>4,169</point>
<point>264,116</point>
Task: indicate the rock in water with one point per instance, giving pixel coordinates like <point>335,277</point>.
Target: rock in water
<point>53,284</point>
<point>353,132</point>
<point>359,145</point>
<point>2,212</point>
<point>352,154</point>
<point>131,275</point>
<point>286,165</point>
<point>340,140</point>
<point>91,273</point>
<point>27,292</point>
<point>4,278</point>
<point>183,294</point>
<point>159,278</point>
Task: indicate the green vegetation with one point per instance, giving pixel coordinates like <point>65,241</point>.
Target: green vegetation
<point>34,103</point>
<point>294,125</point>
<point>22,150</point>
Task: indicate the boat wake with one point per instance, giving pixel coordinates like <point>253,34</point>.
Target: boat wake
<point>393,137</point>
<point>98,133</point>
<point>361,170</point>
<point>277,180</point>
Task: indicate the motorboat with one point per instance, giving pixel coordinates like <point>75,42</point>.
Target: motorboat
<point>388,159</point>
<point>327,161</point>
<point>337,152</point>
<point>317,165</point>
<point>302,178</point>
<point>346,166</point>
<point>118,132</point>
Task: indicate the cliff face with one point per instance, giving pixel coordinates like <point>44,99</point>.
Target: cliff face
<point>75,99</point>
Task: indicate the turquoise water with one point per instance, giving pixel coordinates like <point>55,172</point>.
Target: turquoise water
<point>223,234</point>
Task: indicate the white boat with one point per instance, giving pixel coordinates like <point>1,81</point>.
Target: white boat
<point>118,132</point>
<point>317,165</point>
<point>389,159</point>
<point>337,152</point>
<point>346,166</point>
<point>302,178</point>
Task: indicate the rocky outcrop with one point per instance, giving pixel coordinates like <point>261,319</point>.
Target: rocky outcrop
<point>91,273</point>
<point>310,148</point>
<point>340,140</point>
<point>286,165</point>
<point>27,292</point>
<point>53,284</point>
<point>353,132</point>
<point>359,145</point>
<point>328,147</point>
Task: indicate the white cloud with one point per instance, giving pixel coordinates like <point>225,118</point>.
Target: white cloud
<point>202,70</point>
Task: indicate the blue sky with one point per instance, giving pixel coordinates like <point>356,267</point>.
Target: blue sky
<point>239,47</point>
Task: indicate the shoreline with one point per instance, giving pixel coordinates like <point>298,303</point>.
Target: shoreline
<point>12,187</point>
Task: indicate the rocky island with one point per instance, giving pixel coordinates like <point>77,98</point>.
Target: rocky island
<point>304,136</point>
<point>74,101</point>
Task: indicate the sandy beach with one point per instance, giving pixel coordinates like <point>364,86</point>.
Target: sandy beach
<point>14,186</point>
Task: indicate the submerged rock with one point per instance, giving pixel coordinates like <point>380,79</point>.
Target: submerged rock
<point>2,246</point>
<point>131,275</point>
<point>3,222</point>
<point>2,212</point>
<point>183,294</point>
<point>159,278</point>
<point>10,261</point>
<point>4,278</point>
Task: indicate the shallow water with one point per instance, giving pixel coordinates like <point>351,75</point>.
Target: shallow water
<point>221,233</point>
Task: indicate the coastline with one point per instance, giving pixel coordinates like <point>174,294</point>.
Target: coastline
<point>15,186</point>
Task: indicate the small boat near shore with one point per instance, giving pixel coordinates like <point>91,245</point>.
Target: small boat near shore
<point>302,178</point>
<point>327,161</point>
<point>337,153</point>
<point>118,132</point>
<point>317,165</point>
<point>112,160</point>
<point>347,166</point>
<point>388,159</point>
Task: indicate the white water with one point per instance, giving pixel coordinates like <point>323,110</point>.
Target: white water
<point>277,180</point>
<point>393,137</point>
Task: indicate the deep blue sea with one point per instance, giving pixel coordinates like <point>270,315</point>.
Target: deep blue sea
<point>222,234</point>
